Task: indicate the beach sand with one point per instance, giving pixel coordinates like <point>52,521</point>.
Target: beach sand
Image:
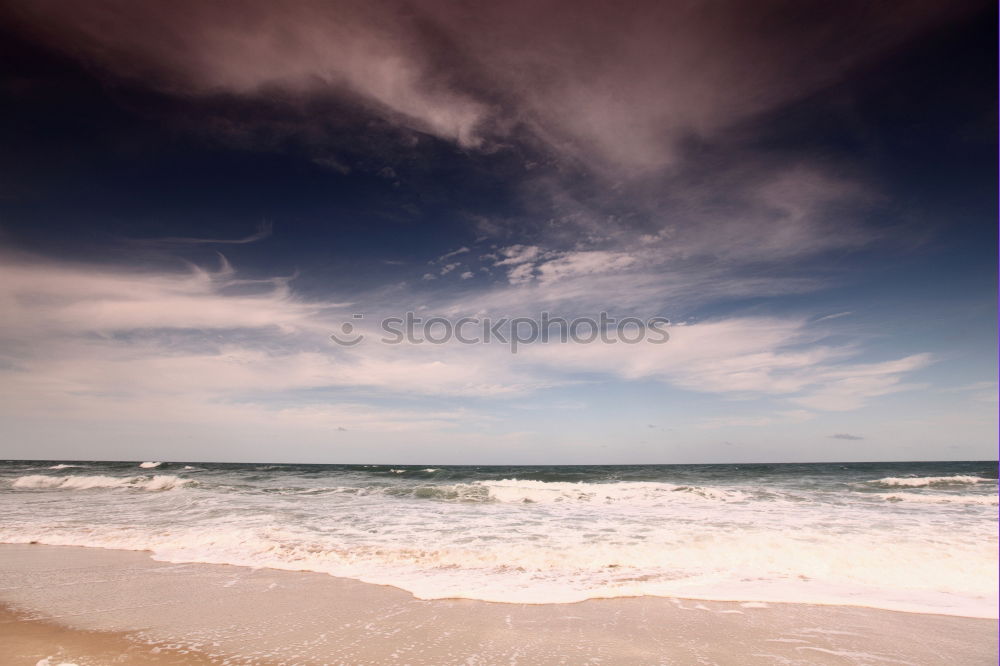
<point>91,606</point>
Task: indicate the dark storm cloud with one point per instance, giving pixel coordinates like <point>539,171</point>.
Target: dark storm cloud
<point>614,87</point>
<point>613,140</point>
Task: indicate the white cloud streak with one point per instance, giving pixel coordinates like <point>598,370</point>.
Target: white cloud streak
<point>100,343</point>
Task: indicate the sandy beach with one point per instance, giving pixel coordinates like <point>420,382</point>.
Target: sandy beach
<point>95,606</point>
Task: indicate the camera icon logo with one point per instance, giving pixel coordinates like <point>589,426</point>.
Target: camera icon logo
<point>347,337</point>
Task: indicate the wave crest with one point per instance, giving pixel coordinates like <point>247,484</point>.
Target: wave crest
<point>517,491</point>
<point>924,481</point>
<point>941,498</point>
<point>158,482</point>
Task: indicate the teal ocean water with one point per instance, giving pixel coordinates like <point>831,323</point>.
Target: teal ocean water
<point>906,536</point>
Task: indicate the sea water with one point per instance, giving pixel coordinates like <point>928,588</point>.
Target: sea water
<point>916,537</point>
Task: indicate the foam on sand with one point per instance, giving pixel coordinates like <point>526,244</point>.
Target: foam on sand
<point>241,615</point>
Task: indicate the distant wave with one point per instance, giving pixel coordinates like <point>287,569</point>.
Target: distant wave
<point>923,481</point>
<point>985,500</point>
<point>149,465</point>
<point>63,466</point>
<point>518,491</point>
<point>158,482</point>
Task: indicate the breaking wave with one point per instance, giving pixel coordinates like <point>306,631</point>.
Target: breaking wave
<point>158,482</point>
<point>940,498</point>
<point>553,492</point>
<point>517,491</point>
<point>900,536</point>
<point>924,481</point>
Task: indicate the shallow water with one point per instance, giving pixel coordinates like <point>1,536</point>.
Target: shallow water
<point>905,536</point>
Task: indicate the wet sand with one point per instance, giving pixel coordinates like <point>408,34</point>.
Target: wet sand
<point>91,606</point>
<point>24,641</point>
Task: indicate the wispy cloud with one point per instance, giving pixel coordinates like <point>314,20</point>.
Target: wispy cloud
<point>264,230</point>
<point>608,131</point>
<point>98,340</point>
<point>838,315</point>
<point>448,255</point>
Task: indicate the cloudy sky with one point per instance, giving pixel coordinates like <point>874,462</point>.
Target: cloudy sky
<point>195,195</point>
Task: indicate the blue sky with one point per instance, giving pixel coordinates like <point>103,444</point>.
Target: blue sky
<point>191,202</point>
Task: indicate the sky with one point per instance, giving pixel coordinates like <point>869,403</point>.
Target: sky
<point>194,196</point>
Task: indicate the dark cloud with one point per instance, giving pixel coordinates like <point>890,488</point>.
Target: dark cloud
<point>588,126</point>
<point>843,435</point>
<point>616,87</point>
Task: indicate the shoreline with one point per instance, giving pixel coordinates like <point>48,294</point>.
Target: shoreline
<point>106,599</point>
<point>28,640</point>
<point>887,607</point>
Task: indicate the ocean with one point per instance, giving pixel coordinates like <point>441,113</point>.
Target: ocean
<point>918,537</point>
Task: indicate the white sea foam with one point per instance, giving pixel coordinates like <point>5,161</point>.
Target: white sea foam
<point>809,568</point>
<point>158,482</point>
<point>940,498</point>
<point>531,541</point>
<point>64,466</point>
<point>516,491</point>
<point>149,465</point>
<point>641,492</point>
<point>923,481</point>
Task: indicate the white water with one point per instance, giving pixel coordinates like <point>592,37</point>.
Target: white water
<point>914,543</point>
<point>924,481</point>
<point>158,482</point>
